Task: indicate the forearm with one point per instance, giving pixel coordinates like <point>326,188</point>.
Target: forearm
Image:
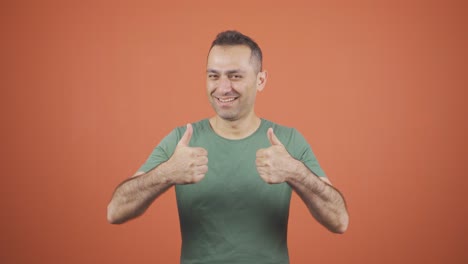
<point>324,201</point>
<point>133,196</point>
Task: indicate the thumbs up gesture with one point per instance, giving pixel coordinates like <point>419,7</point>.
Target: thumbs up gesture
<point>187,164</point>
<point>274,164</point>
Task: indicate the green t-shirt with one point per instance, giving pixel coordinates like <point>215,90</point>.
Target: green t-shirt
<point>232,216</point>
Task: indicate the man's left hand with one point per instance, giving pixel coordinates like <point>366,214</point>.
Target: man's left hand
<point>274,164</point>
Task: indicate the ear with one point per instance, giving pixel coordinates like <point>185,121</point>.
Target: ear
<point>261,80</point>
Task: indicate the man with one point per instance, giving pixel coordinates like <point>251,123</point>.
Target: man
<point>234,172</point>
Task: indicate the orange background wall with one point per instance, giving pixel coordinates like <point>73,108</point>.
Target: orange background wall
<point>378,89</point>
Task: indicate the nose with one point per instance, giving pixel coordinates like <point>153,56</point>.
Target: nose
<point>224,85</point>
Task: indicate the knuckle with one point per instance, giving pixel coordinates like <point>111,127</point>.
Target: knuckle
<point>186,180</point>
<point>201,151</point>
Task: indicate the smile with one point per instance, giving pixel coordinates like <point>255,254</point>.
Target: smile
<point>226,100</point>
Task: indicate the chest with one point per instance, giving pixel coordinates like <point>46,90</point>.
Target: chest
<point>232,182</point>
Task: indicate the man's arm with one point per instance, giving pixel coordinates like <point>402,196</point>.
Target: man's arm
<point>132,197</point>
<point>325,203</point>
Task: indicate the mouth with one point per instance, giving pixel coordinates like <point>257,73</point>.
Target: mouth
<point>226,100</point>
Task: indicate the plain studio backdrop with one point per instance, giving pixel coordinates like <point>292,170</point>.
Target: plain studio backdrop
<point>378,88</point>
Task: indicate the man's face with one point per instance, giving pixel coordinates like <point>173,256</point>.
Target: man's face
<point>232,81</point>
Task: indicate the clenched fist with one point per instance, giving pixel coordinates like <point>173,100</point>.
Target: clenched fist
<point>187,165</point>
<point>274,164</point>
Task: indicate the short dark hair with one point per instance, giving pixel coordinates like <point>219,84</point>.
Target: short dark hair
<point>233,37</point>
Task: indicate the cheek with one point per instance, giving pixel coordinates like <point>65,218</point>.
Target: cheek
<point>209,88</point>
<point>242,87</point>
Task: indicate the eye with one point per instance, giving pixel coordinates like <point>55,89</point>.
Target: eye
<point>212,76</point>
<point>235,76</point>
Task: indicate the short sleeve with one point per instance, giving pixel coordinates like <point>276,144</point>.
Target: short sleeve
<point>162,152</point>
<point>303,152</point>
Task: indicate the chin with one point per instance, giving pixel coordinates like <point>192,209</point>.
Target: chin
<point>227,116</point>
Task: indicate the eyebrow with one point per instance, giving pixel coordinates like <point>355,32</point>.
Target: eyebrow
<point>227,72</point>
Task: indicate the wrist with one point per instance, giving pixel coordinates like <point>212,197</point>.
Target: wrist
<point>161,174</point>
<point>298,172</point>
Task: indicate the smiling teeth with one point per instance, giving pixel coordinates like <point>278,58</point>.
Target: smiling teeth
<point>226,100</point>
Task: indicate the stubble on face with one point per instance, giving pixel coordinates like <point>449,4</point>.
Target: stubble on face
<point>231,81</point>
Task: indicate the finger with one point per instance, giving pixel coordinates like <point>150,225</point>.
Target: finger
<point>272,137</point>
<point>198,177</point>
<point>200,151</point>
<point>203,169</point>
<point>200,172</point>
<point>259,163</point>
<point>261,172</point>
<point>260,153</point>
<point>185,140</point>
<point>202,160</point>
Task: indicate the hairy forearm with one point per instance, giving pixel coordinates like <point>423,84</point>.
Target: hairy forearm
<point>133,196</point>
<point>324,201</point>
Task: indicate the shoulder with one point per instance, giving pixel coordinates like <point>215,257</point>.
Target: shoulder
<point>200,126</point>
<point>277,127</point>
<point>291,138</point>
<point>197,126</point>
<point>287,135</point>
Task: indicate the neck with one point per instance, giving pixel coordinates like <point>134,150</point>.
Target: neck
<point>237,129</point>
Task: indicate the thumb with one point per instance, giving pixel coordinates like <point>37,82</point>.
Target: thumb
<point>272,137</point>
<point>185,140</point>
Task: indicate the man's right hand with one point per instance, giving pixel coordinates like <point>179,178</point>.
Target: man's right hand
<point>187,164</point>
